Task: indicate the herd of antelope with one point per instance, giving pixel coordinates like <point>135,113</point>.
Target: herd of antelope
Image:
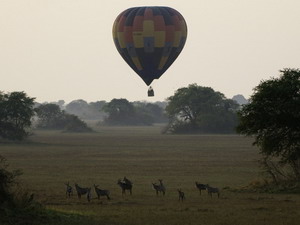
<point>126,184</point>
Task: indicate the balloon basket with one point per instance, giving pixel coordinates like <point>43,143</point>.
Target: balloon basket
<point>150,92</point>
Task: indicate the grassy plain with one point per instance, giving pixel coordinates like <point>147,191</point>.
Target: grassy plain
<point>51,158</point>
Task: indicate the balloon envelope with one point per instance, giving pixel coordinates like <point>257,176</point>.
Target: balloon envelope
<point>149,39</point>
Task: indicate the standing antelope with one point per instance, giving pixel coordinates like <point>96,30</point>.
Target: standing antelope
<point>83,191</point>
<point>200,186</point>
<point>127,181</point>
<point>69,190</point>
<point>159,187</point>
<point>125,186</point>
<point>89,195</point>
<point>100,192</point>
<point>211,190</point>
<point>180,195</point>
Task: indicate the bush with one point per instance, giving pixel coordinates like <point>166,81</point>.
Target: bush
<point>50,116</point>
<point>18,207</point>
<point>74,124</point>
<point>14,202</point>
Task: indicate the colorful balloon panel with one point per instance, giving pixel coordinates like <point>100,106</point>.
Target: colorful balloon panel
<point>149,39</point>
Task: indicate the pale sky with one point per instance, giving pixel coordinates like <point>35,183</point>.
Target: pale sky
<point>63,49</point>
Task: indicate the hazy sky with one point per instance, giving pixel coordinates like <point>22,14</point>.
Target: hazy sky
<point>63,49</point>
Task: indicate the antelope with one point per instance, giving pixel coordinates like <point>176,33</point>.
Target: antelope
<point>180,195</point>
<point>211,190</point>
<point>69,190</point>
<point>200,186</point>
<point>89,194</point>
<point>83,191</point>
<point>127,181</point>
<point>159,187</point>
<point>125,186</point>
<point>101,192</point>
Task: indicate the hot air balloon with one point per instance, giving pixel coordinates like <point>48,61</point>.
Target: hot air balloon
<point>149,39</point>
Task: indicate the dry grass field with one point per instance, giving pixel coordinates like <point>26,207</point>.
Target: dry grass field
<point>51,158</point>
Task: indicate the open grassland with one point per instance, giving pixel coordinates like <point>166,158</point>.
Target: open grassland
<point>143,155</point>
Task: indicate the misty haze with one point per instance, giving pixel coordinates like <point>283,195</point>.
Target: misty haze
<point>160,112</point>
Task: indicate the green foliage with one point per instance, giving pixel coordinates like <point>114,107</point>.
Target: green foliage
<point>74,124</point>
<point>152,112</point>
<point>50,116</point>
<point>123,112</point>
<point>7,180</point>
<point>84,110</point>
<point>273,118</point>
<point>16,111</point>
<point>12,202</point>
<point>196,109</point>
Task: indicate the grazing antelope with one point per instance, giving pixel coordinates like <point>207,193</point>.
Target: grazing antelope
<point>100,192</point>
<point>159,187</point>
<point>125,186</point>
<point>211,190</point>
<point>180,195</point>
<point>200,186</point>
<point>69,190</point>
<point>83,191</point>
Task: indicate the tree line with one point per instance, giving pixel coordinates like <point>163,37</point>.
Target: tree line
<point>116,112</point>
<point>272,117</point>
<point>193,109</point>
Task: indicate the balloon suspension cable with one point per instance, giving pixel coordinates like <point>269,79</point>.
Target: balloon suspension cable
<point>150,92</point>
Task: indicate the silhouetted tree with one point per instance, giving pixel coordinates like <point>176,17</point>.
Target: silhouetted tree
<point>85,110</point>
<point>17,206</point>
<point>7,180</point>
<point>120,112</point>
<point>50,116</point>
<point>240,99</point>
<point>16,111</point>
<point>123,112</point>
<point>273,118</point>
<point>199,109</point>
<point>74,124</point>
<point>77,107</point>
<point>60,103</point>
<point>150,112</point>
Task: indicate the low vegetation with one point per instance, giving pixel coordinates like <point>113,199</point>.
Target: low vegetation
<point>50,116</point>
<point>51,159</point>
<point>18,206</point>
<point>121,112</point>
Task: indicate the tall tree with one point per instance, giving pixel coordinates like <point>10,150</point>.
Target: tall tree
<point>273,118</point>
<point>120,112</point>
<point>201,109</point>
<point>16,111</point>
<point>150,112</point>
<point>123,112</point>
<point>50,116</point>
<point>77,107</point>
<point>85,110</point>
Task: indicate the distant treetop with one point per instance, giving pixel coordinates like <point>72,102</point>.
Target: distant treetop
<point>240,99</point>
